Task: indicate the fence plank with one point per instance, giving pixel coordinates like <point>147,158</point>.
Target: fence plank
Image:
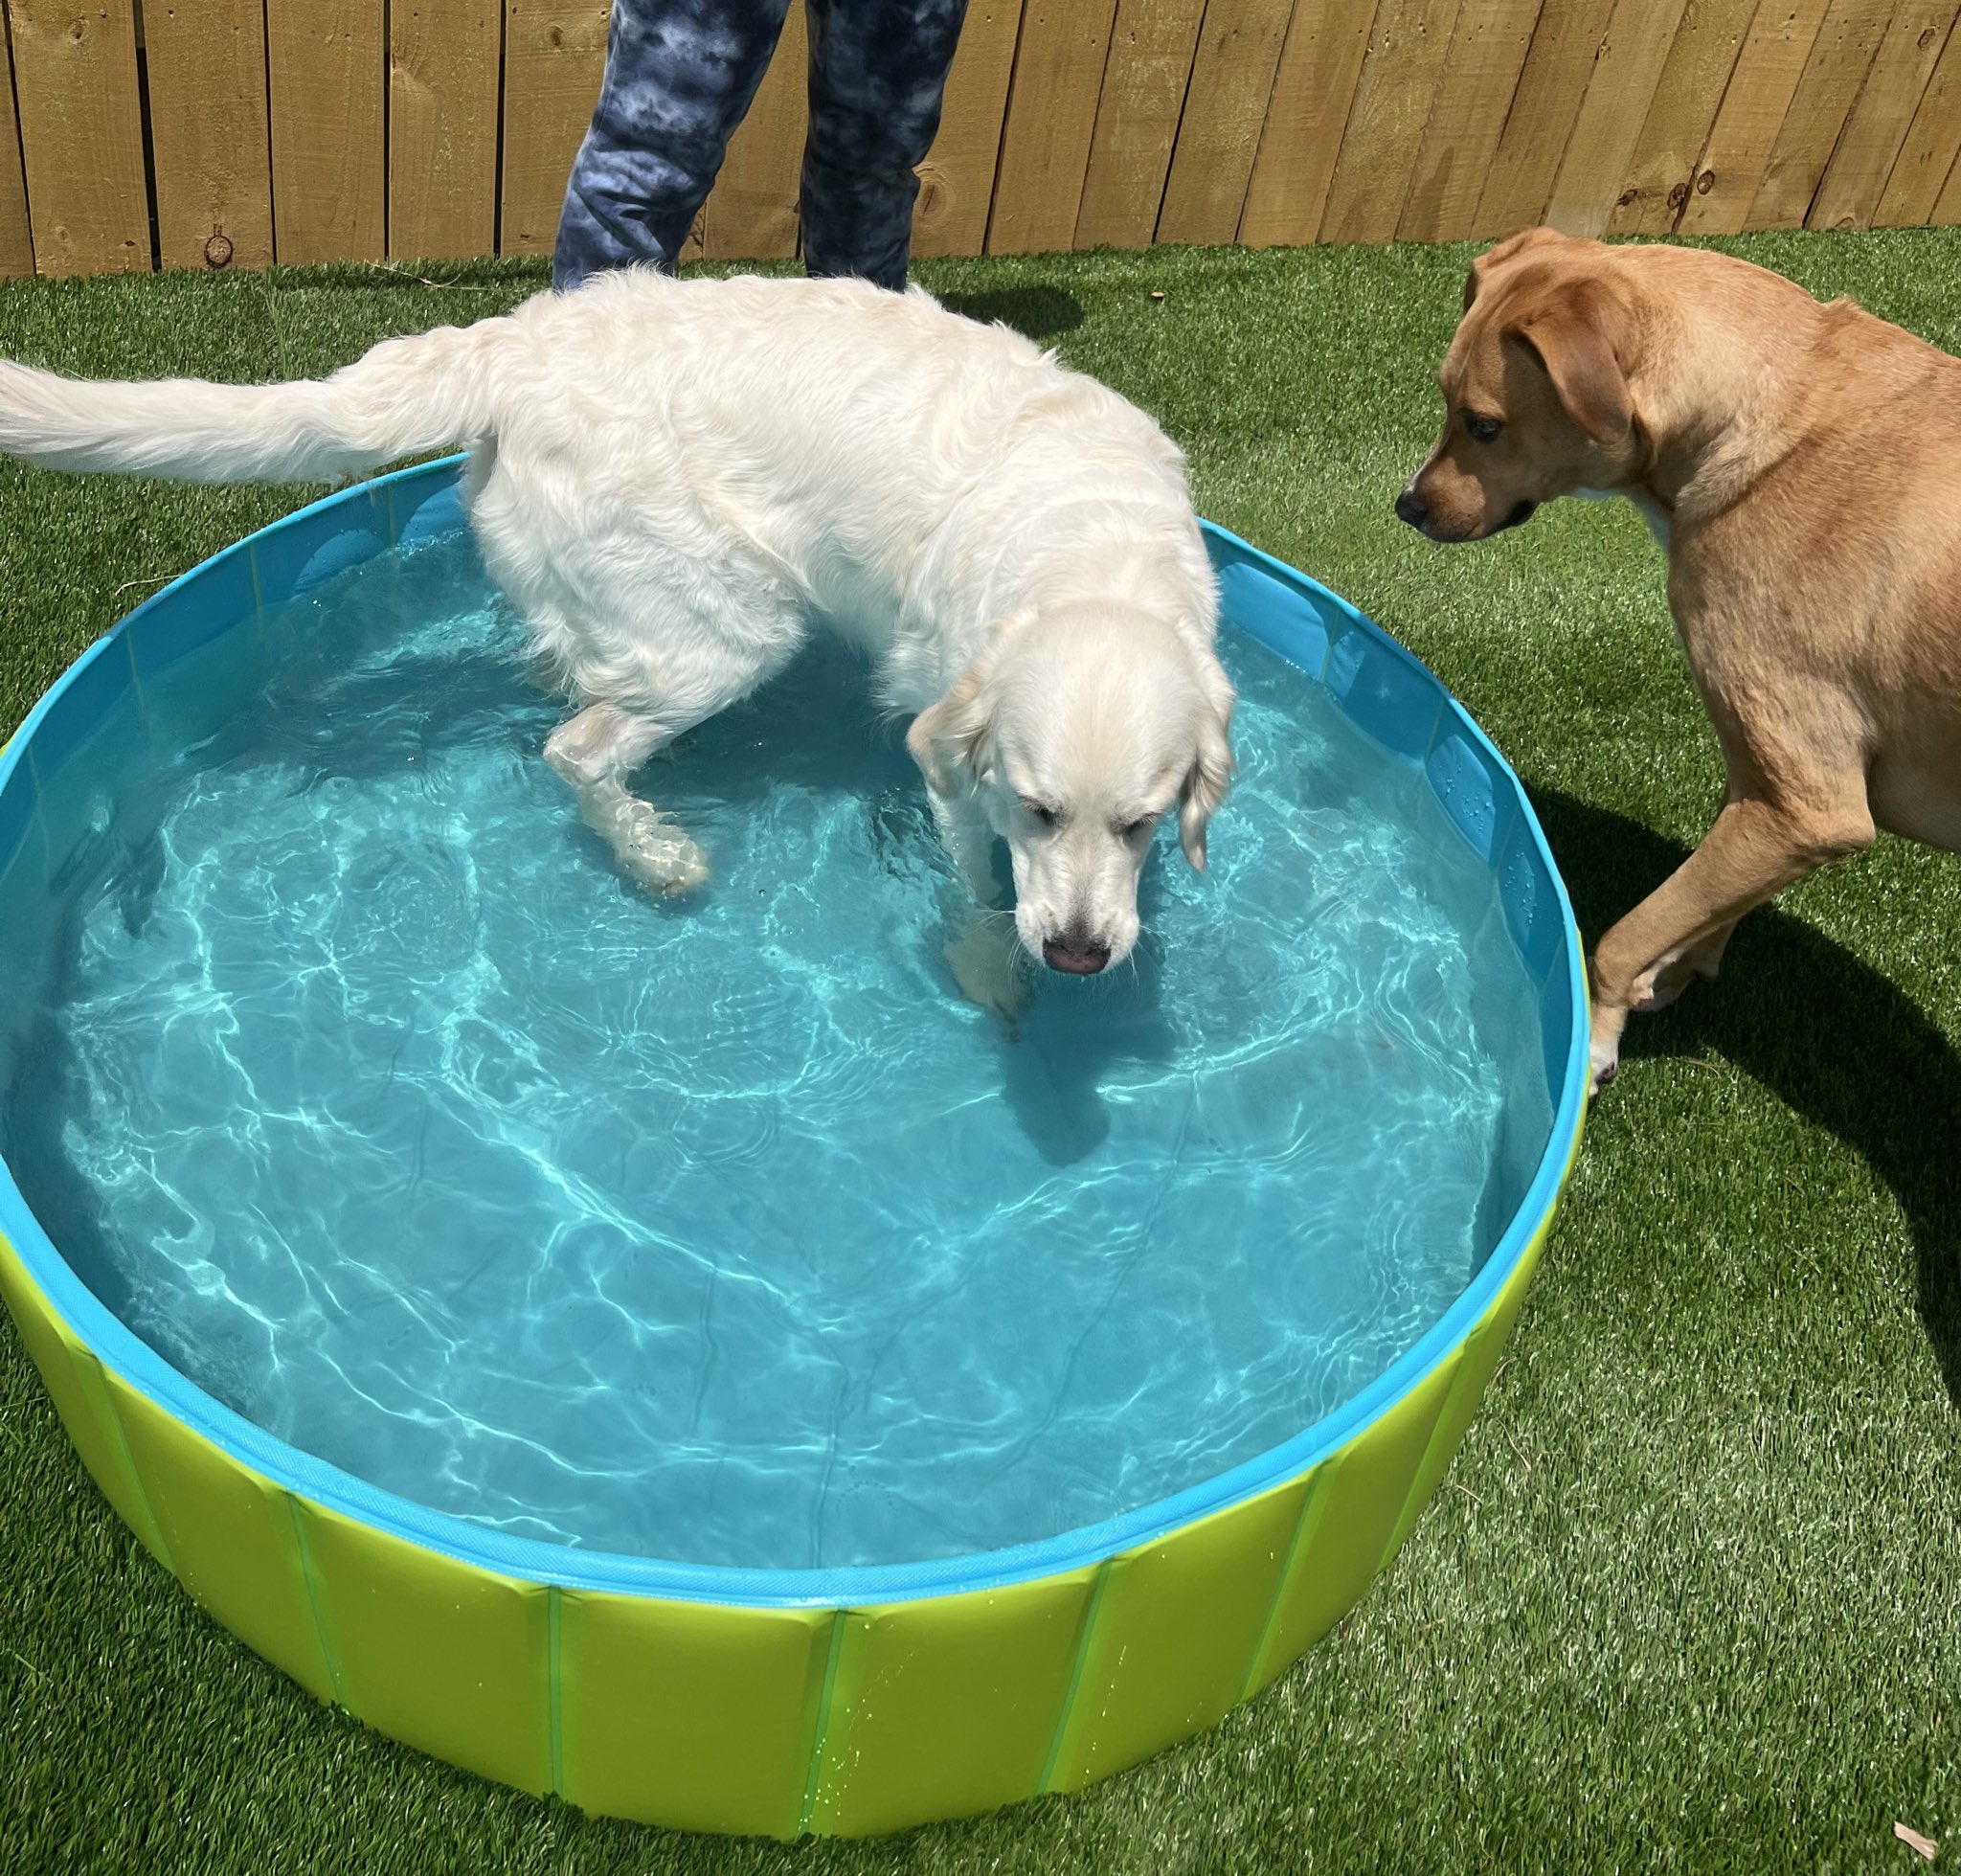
<point>1051,119</point>
<point>1467,118</point>
<point>1946,210</point>
<point>1876,128</point>
<point>1841,55</point>
<point>1933,141</point>
<point>1600,152</point>
<point>1707,47</point>
<point>554,52</point>
<point>752,215</point>
<point>1219,136</point>
<point>1750,117</point>
<point>81,136</point>
<point>1314,90</point>
<point>1386,126</point>
<point>210,147</point>
<point>1152,47</point>
<point>1540,125</point>
<point>957,179</point>
<point>442,128</point>
<point>326,61</point>
<point>16,239</point>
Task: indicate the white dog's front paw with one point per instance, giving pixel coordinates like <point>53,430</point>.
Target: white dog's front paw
<point>984,957</point>
<point>655,853</point>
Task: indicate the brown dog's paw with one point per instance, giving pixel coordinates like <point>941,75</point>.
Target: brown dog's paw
<point>1666,982</point>
<point>1660,991</point>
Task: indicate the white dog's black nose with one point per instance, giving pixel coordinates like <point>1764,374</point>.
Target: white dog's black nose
<point>1073,951</point>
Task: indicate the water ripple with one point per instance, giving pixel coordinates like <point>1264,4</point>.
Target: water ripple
<point>365,1091</point>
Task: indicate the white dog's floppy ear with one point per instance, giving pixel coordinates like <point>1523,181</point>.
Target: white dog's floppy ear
<point>948,739</point>
<point>1212,772</point>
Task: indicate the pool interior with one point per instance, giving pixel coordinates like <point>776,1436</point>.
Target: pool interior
<point>340,1064</point>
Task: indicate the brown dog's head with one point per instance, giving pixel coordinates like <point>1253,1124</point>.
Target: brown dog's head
<point>1535,389</point>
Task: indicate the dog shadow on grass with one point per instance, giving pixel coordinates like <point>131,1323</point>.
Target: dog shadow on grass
<point>1828,1033</point>
<point>1036,312</point>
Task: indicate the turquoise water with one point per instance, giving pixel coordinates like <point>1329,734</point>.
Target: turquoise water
<point>358,1084</point>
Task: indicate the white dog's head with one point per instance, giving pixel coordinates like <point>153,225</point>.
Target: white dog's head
<point>1076,733</point>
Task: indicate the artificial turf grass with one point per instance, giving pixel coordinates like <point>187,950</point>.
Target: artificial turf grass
<point>1688,1600</point>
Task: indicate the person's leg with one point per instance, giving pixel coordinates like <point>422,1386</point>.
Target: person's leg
<point>679,74</point>
<point>877,75</point>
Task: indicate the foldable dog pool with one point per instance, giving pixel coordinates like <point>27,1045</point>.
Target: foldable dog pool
<point>679,1355</point>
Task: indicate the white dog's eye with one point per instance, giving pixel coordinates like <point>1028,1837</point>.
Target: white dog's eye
<point>1047,816</point>
<point>1143,825</point>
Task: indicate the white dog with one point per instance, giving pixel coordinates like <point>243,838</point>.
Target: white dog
<point>672,480</point>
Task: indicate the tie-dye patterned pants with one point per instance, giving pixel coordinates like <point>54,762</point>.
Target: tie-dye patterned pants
<point>679,74</point>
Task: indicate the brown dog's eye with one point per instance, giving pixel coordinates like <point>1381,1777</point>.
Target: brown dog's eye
<point>1047,816</point>
<point>1482,429</point>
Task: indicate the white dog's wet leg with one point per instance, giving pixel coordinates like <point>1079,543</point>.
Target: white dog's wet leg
<point>984,952</point>
<point>596,751</point>
<point>985,957</point>
<point>653,682</point>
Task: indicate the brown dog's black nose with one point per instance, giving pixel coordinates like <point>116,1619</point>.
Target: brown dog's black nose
<point>1410,506</point>
<point>1073,951</point>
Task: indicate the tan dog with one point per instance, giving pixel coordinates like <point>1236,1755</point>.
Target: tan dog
<point>1801,465</point>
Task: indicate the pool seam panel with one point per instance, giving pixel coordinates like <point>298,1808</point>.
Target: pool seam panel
<point>1312,1505</point>
<point>98,1374</point>
<point>1352,1437</point>
<point>1086,1635</point>
<point>553,1689</point>
<point>307,1576</point>
<point>812,1783</point>
<point>1415,1498</point>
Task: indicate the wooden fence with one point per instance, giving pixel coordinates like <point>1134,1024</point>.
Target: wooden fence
<point>212,133</point>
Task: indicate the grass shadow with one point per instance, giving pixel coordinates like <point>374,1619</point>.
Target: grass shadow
<point>1825,1031</point>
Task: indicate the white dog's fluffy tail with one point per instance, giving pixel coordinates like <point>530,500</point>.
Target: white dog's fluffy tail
<point>406,396</point>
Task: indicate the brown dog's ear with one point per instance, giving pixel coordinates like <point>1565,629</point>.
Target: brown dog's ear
<point>1568,331</point>
<point>1505,249</point>
<point>1210,776</point>
<point>948,739</point>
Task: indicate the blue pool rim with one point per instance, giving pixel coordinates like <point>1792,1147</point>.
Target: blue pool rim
<point>1386,691</point>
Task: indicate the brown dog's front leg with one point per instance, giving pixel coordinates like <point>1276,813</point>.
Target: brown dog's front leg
<point>1674,975</point>
<point>1754,850</point>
